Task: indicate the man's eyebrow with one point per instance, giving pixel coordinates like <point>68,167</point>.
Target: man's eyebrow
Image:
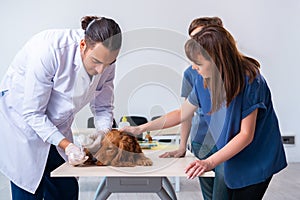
<point>97,60</point>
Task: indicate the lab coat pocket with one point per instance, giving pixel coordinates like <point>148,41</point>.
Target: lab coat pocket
<point>16,123</point>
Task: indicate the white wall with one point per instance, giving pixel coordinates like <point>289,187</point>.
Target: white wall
<point>267,30</point>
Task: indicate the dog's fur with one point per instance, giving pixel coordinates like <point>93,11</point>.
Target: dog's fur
<point>120,149</point>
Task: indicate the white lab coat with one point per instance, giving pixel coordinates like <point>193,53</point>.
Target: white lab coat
<point>47,85</point>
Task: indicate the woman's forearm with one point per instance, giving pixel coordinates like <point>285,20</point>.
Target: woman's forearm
<point>238,143</point>
<point>185,131</point>
<point>168,120</point>
<point>171,119</point>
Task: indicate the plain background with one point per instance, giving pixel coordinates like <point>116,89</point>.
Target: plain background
<point>148,75</point>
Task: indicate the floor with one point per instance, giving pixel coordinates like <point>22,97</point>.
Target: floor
<point>285,185</point>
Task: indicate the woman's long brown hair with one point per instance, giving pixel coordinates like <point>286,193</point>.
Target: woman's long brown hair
<point>217,45</point>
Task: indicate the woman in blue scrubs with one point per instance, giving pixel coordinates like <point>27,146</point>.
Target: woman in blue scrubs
<point>202,143</point>
<point>238,109</point>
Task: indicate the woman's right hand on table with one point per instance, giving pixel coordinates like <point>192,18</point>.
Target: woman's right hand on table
<point>176,154</point>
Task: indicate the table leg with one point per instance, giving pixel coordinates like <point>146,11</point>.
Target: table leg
<point>177,183</point>
<point>167,184</point>
<point>160,185</point>
<point>163,195</point>
<point>102,192</point>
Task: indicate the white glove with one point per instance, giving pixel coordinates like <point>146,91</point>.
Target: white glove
<point>96,141</point>
<point>83,140</point>
<point>75,155</point>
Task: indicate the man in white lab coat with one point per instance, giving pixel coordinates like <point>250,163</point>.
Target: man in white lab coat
<point>52,77</point>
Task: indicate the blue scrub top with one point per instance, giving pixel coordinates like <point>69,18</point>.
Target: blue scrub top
<point>265,155</point>
<point>199,129</point>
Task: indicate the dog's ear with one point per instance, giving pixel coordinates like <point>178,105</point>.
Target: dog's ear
<point>107,151</point>
<point>124,157</point>
<point>137,147</point>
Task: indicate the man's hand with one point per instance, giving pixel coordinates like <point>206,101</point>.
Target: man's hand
<point>75,155</point>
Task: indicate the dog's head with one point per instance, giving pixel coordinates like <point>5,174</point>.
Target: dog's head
<point>120,149</point>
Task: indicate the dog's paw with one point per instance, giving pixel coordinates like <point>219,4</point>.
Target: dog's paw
<point>144,162</point>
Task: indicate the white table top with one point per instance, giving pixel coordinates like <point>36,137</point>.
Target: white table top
<point>160,167</point>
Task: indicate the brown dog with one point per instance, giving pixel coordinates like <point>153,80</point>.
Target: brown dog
<point>120,150</point>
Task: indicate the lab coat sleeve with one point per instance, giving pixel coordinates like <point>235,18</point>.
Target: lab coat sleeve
<point>41,68</point>
<point>102,105</point>
<point>55,138</point>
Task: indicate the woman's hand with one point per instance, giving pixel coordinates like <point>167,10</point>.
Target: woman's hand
<point>135,130</point>
<point>176,154</point>
<point>197,168</point>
